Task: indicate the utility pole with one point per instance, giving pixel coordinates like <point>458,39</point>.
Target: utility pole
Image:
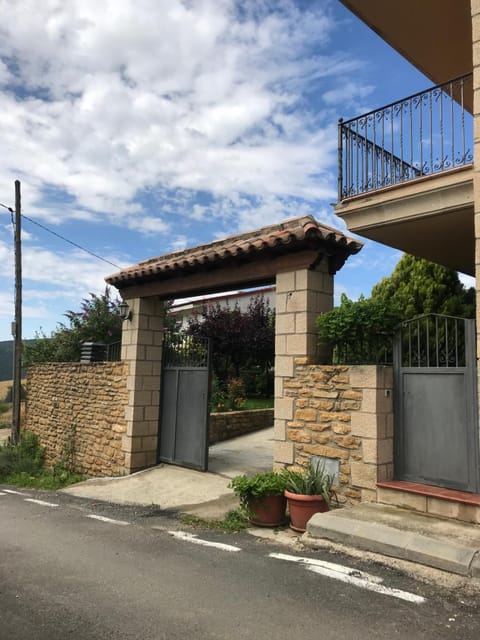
<point>17,325</point>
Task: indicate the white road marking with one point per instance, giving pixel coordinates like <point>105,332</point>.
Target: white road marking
<point>123,523</point>
<point>350,576</point>
<point>2,494</point>
<point>191,537</point>
<point>41,502</point>
<point>18,493</point>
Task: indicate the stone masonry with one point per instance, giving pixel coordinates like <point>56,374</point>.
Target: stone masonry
<point>231,424</point>
<point>343,413</point>
<point>300,296</point>
<point>78,412</point>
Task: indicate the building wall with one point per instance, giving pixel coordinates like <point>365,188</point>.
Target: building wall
<point>475,8</point>
<point>344,414</point>
<point>78,412</point>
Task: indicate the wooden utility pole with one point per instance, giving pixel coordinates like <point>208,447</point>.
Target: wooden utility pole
<point>17,325</point>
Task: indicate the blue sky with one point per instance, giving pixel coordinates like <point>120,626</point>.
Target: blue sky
<point>138,127</point>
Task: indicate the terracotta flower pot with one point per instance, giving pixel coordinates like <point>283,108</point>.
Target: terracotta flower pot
<point>302,507</point>
<point>268,511</point>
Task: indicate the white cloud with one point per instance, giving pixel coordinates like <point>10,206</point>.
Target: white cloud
<point>108,98</point>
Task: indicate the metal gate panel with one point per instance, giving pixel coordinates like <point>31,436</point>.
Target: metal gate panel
<point>183,432</point>
<point>436,431</point>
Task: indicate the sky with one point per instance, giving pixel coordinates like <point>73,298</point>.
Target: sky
<point>139,127</point>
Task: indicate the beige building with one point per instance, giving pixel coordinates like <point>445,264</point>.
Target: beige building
<point>409,178</point>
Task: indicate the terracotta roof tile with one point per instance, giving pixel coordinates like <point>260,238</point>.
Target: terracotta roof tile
<point>288,236</point>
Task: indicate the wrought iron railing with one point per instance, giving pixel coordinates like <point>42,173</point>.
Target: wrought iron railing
<point>114,350</point>
<point>426,133</point>
<point>432,341</point>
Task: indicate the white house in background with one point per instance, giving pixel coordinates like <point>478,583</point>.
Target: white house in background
<point>184,309</point>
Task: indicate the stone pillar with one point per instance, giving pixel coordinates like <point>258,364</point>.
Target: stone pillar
<point>300,297</point>
<point>373,425</point>
<point>475,8</point>
<point>142,339</point>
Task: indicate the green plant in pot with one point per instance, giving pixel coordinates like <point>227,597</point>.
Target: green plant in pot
<point>308,491</point>
<point>262,497</point>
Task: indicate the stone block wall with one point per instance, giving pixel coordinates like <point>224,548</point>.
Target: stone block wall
<point>343,413</point>
<point>223,426</point>
<point>78,412</point>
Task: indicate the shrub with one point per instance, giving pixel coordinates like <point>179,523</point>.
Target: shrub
<point>26,457</point>
<point>359,332</point>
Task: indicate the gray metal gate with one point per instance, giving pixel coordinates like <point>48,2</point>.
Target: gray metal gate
<point>183,432</point>
<point>435,387</point>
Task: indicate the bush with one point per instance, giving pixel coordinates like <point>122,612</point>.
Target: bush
<point>359,332</point>
<point>26,457</point>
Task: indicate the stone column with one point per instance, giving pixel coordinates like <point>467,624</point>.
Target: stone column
<point>142,339</point>
<point>475,8</point>
<point>300,297</point>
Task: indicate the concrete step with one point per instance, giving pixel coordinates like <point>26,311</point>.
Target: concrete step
<point>436,501</point>
<point>444,544</point>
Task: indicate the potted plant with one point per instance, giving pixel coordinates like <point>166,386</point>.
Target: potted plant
<point>308,491</point>
<point>262,497</point>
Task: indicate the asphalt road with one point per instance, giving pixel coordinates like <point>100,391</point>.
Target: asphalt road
<point>66,575</point>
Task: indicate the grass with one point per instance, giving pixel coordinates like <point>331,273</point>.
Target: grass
<point>23,465</point>
<point>258,403</point>
<point>233,522</point>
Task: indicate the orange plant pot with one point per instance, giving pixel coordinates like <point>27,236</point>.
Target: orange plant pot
<point>302,508</point>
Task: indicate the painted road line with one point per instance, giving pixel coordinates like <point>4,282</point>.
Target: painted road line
<point>122,523</point>
<point>350,576</point>
<point>41,502</point>
<point>329,566</point>
<point>191,537</point>
<point>2,494</point>
<point>18,493</point>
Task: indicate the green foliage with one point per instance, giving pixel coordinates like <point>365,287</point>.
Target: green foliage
<point>311,481</point>
<point>359,332</point>
<point>234,521</point>
<point>3,407</point>
<point>26,457</point>
<point>23,465</point>
<point>97,321</point>
<point>265,483</point>
<point>417,287</point>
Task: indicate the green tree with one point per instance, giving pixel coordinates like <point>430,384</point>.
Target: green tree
<point>97,321</point>
<point>418,287</point>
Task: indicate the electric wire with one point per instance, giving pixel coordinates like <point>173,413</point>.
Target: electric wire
<point>54,233</point>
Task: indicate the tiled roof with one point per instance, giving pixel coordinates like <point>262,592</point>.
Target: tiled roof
<point>289,236</point>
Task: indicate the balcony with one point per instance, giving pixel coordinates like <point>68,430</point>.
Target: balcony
<point>405,174</point>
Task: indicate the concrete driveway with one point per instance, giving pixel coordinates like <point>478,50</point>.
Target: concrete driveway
<point>196,492</point>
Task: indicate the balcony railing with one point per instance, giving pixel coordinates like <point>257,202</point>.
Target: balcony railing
<point>421,135</point>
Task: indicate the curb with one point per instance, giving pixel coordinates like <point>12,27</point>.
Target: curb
<point>389,541</point>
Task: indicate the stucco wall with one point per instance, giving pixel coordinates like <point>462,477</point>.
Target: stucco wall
<point>78,412</point>
<point>343,413</point>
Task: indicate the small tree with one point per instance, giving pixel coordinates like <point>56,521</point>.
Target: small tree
<point>240,340</point>
<point>418,287</point>
<point>97,321</point>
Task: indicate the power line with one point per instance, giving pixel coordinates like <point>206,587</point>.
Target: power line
<point>54,233</point>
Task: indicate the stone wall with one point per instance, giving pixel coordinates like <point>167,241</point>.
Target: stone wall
<point>343,413</point>
<point>78,412</point>
<point>223,426</point>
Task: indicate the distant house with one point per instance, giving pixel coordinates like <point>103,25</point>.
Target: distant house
<point>183,310</point>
